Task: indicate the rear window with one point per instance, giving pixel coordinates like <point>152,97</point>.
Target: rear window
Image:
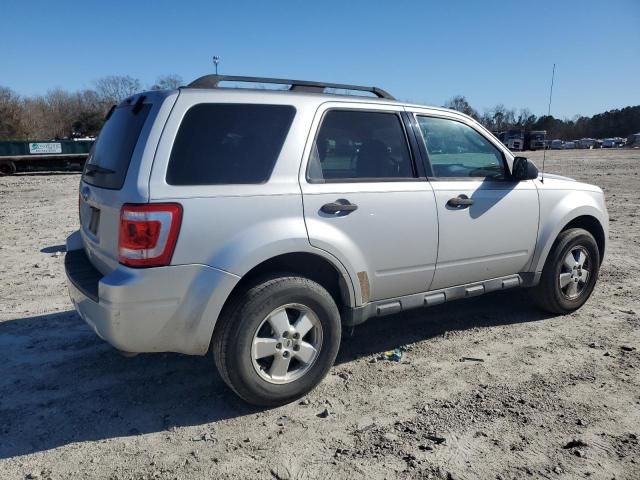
<point>228,144</point>
<point>110,156</point>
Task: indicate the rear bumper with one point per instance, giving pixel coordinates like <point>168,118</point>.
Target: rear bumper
<point>162,309</point>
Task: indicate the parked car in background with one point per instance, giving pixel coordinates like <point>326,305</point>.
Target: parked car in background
<point>586,143</point>
<point>615,142</point>
<point>569,145</point>
<point>256,224</point>
<point>557,144</point>
<point>633,140</point>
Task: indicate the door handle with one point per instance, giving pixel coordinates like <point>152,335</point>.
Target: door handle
<point>339,206</point>
<point>460,202</point>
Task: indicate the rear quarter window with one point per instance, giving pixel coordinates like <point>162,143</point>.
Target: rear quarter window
<point>221,144</point>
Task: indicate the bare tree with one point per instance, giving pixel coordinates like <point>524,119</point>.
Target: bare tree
<point>167,82</point>
<point>62,114</point>
<point>486,119</point>
<point>498,118</point>
<point>115,88</point>
<point>526,119</point>
<point>90,114</point>
<point>62,109</point>
<point>36,118</point>
<point>11,115</point>
<point>460,103</point>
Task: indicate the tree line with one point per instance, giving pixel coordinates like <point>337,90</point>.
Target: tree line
<point>613,123</point>
<point>63,114</point>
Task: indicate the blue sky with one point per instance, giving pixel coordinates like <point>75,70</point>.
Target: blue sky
<point>422,51</point>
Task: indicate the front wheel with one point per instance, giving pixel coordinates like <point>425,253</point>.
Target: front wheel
<point>277,340</point>
<point>570,272</point>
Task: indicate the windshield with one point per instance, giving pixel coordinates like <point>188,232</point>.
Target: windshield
<point>110,156</point>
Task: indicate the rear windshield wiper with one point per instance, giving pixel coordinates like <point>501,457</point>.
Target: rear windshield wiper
<point>109,113</point>
<point>138,105</point>
<point>93,169</point>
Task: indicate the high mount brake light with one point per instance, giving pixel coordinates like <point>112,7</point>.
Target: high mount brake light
<point>148,233</point>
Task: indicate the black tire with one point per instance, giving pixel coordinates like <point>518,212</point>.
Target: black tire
<point>548,294</point>
<point>234,334</point>
<point>7,167</point>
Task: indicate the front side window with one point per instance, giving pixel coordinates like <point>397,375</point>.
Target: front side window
<point>360,145</point>
<point>223,144</point>
<point>457,150</point>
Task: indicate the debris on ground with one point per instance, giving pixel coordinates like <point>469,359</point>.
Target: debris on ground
<point>323,414</point>
<point>392,355</point>
<point>204,437</point>
<point>436,439</point>
<point>283,421</point>
<point>575,443</point>
<point>471,359</point>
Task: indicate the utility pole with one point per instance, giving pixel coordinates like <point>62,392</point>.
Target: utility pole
<point>216,61</point>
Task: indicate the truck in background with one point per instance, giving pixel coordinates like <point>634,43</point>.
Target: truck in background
<point>33,155</point>
<point>535,139</point>
<point>512,139</point>
<point>519,140</point>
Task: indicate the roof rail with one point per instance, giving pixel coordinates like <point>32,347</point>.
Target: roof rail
<point>212,81</point>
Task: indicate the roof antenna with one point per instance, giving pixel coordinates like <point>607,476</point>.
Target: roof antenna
<point>544,145</point>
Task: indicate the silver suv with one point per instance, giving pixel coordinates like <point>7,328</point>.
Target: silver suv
<point>257,223</point>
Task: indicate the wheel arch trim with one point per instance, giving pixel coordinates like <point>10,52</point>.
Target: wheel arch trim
<point>352,293</point>
<point>560,218</point>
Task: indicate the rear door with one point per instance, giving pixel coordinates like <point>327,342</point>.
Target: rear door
<point>488,223</point>
<point>117,171</point>
<point>365,200</point>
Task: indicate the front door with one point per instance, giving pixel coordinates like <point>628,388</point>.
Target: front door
<point>365,202</point>
<point>488,224</point>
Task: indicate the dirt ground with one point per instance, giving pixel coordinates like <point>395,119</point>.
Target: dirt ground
<point>553,397</point>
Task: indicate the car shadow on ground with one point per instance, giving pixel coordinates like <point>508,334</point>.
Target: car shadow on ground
<point>48,173</point>
<point>54,249</point>
<point>387,333</point>
<point>61,384</point>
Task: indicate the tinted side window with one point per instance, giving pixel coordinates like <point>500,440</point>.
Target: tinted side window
<point>228,144</point>
<point>360,145</point>
<point>457,150</point>
<point>110,156</point>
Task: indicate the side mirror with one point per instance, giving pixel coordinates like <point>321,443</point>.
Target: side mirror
<point>523,169</point>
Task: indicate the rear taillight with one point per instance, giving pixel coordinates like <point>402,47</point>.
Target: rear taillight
<point>148,233</point>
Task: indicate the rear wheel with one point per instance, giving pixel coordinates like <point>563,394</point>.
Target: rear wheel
<point>570,272</point>
<point>277,340</point>
<point>7,167</point>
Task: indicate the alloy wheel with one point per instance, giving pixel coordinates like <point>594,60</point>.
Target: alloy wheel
<point>286,343</point>
<point>575,272</point>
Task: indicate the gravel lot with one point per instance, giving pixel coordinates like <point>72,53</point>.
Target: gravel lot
<point>553,397</point>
